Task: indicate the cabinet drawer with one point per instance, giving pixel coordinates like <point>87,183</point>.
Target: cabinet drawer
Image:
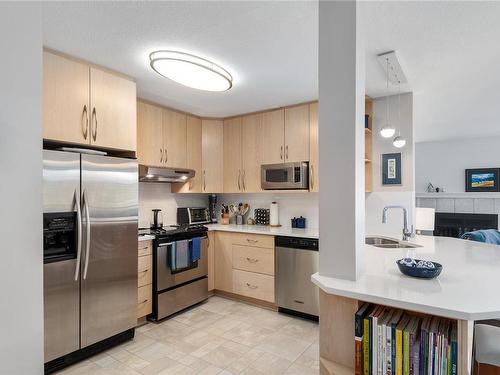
<point>254,285</point>
<point>144,301</point>
<point>256,240</point>
<point>253,259</point>
<point>144,271</point>
<point>144,248</point>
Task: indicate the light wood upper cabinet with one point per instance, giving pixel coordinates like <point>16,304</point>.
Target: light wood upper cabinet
<point>87,105</point>
<point>232,156</point>
<point>273,125</point>
<point>193,157</point>
<point>212,156</point>
<point>251,154</point>
<point>149,134</point>
<point>66,94</point>
<point>113,117</point>
<point>313,148</point>
<point>297,133</point>
<point>174,139</point>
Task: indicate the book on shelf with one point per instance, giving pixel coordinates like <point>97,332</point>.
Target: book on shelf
<point>394,342</point>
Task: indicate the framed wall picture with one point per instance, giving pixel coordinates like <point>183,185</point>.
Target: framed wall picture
<point>482,180</point>
<point>391,169</point>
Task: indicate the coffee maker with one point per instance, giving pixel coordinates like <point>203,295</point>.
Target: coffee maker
<point>212,203</point>
<point>157,221</point>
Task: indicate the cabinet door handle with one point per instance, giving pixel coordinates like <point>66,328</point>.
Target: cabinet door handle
<point>312,177</point>
<point>144,271</point>
<point>161,155</point>
<point>281,153</point>
<point>243,180</point>
<point>286,152</point>
<point>252,260</point>
<point>146,300</point>
<point>239,177</point>
<point>86,115</point>
<point>252,286</point>
<point>252,241</point>
<point>166,155</point>
<point>204,181</point>
<point>94,116</point>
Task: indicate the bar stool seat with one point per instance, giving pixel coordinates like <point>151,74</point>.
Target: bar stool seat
<point>487,347</point>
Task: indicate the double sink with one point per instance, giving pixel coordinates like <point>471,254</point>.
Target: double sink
<point>388,243</point>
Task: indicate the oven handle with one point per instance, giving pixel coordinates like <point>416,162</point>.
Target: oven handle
<point>171,243</point>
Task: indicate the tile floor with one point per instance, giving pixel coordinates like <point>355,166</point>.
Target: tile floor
<point>220,336</point>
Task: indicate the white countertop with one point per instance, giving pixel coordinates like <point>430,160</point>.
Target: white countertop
<point>271,231</point>
<point>146,237</point>
<point>468,287</point>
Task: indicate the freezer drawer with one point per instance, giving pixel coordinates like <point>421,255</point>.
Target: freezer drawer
<point>61,299</point>
<point>182,297</point>
<point>294,288</point>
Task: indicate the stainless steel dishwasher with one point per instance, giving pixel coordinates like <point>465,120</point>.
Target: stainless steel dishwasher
<point>296,260</point>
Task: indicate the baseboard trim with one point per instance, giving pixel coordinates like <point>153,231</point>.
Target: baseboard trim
<point>248,300</point>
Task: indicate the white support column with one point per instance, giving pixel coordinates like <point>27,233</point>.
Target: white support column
<point>341,139</point>
<point>21,267</point>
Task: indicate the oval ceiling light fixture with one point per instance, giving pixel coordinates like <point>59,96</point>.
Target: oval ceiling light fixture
<point>191,71</point>
<point>399,142</point>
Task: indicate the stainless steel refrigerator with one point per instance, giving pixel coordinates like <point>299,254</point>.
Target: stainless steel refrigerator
<point>90,252</point>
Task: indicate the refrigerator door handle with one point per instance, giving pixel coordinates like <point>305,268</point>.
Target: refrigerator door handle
<point>87,243</point>
<point>79,234</point>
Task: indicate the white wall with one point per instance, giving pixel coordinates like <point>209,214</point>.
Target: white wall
<point>444,162</point>
<point>404,194</point>
<point>21,280</point>
<point>290,205</point>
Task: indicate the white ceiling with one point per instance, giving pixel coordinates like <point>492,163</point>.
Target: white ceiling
<point>449,52</point>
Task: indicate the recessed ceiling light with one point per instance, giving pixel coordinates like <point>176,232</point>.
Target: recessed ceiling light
<point>190,70</point>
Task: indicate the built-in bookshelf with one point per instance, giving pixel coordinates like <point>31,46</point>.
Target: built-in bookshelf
<point>343,347</point>
<point>392,341</point>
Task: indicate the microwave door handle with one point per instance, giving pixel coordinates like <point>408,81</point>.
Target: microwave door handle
<point>87,244</point>
<point>79,234</point>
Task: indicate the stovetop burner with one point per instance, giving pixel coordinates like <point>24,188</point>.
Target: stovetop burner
<point>173,229</point>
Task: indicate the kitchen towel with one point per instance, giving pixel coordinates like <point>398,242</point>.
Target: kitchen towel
<point>182,250</point>
<point>171,261</point>
<point>195,249</point>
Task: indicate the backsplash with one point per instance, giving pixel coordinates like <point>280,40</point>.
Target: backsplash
<point>293,204</point>
<point>158,195</point>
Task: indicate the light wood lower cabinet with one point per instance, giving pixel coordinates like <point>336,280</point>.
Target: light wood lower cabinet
<point>244,269</point>
<point>144,279</point>
<point>254,285</point>
<point>253,259</point>
<point>211,261</point>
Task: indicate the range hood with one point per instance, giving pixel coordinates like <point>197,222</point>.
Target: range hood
<point>157,174</point>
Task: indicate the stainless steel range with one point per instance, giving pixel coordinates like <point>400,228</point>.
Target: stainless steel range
<point>177,289</point>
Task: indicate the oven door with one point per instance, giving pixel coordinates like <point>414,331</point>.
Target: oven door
<point>166,279</point>
<point>284,176</point>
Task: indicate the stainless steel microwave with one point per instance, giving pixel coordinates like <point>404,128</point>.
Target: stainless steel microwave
<point>192,215</point>
<point>285,176</point>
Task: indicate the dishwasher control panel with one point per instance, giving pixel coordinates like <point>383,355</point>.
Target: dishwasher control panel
<point>297,243</point>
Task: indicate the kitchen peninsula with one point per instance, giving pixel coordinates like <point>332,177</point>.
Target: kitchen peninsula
<point>465,291</point>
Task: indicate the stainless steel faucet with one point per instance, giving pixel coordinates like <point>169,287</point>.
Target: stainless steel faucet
<point>407,233</point>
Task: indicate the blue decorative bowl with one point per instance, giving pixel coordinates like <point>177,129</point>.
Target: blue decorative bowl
<point>422,269</point>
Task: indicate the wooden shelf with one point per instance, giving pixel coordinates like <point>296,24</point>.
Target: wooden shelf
<point>333,368</point>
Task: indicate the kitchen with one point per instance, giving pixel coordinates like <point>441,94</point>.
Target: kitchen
<point>181,227</point>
